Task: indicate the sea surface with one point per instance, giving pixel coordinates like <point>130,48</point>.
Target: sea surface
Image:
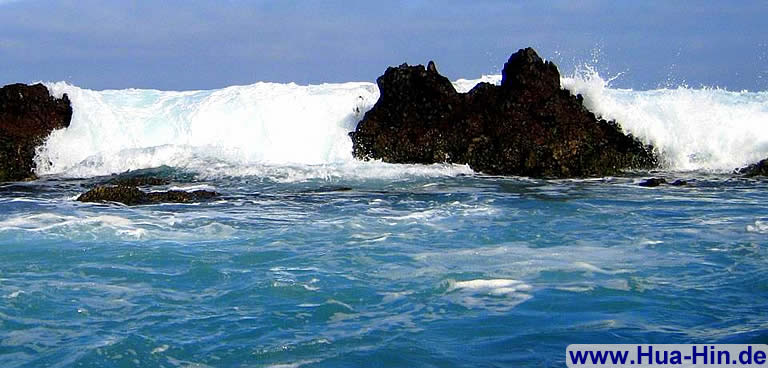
<point>312,259</point>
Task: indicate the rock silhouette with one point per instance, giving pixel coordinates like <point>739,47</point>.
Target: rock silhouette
<point>527,126</point>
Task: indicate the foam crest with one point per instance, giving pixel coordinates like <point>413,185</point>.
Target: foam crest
<point>706,129</point>
<point>86,226</point>
<point>292,132</point>
<point>285,132</point>
<point>264,123</point>
<point>48,223</point>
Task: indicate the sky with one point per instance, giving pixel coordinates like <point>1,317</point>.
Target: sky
<point>189,44</point>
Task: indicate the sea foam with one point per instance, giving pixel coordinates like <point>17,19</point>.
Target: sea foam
<point>693,129</point>
<point>295,132</point>
<point>265,123</point>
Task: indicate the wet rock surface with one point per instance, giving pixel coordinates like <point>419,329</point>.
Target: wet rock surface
<point>757,169</point>
<point>131,195</point>
<point>527,126</point>
<point>655,182</point>
<point>28,114</point>
<point>138,181</point>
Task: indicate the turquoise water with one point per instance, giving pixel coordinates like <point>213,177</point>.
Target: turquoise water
<point>411,271</point>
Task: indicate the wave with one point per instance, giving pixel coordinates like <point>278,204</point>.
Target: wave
<point>264,123</point>
<point>295,132</point>
<point>693,129</point>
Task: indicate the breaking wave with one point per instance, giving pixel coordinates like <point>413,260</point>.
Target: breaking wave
<point>302,131</point>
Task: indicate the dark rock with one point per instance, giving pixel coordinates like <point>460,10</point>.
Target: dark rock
<point>123,194</point>
<point>431,67</point>
<point>328,190</point>
<point>652,182</point>
<point>758,169</point>
<point>526,126</point>
<point>655,182</point>
<point>131,195</point>
<point>180,196</point>
<point>161,175</point>
<point>139,181</point>
<point>28,114</point>
<point>529,77</point>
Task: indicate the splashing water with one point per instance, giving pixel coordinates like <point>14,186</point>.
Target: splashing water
<point>706,129</point>
<point>266,127</point>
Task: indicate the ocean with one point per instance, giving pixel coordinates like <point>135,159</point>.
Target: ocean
<point>312,259</point>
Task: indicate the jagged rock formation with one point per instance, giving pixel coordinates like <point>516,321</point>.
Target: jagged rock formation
<point>28,114</point>
<point>131,195</point>
<point>527,126</point>
<point>757,169</point>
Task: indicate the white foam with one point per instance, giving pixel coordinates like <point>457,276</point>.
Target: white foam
<point>264,123</point>
<point>347,170</point>
<point>492,286</point>
<point>498,295</point>
<point>65,224</point>
<point>389,297</point>
<point>592,268</point>
<point>160,349</point>
<point>91,224</point>
<point>14,294</point>
<point>464,85</point>
<point>759,226</point>
<point>285,131</point>
<point>193,187</point>
<point>292,132</point>
<point>298,364</point>
<point>707,129</point>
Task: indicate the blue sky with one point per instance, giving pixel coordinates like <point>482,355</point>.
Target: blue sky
<point>209,44</point>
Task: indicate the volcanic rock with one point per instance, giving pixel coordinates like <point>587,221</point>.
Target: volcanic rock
<point>758,169</point>
<point>28,114</point>
<point>139,181</point>
<point>527,126</point>
<point>655,182</point>
<point>652,182</point>
<point>130,195</point>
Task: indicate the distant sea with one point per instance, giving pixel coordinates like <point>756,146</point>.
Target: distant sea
<point>312,259</point>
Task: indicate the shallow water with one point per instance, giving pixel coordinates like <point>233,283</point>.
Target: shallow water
<point>410,271</point>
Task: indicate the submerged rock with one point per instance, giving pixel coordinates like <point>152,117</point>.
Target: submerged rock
<point>180,196</point>
<point>652,182</point>
<point>161,175</point>
<point>655,182</point>
<point>28,114</point>
<point>131,195</point>
<point>124,194</point>
<point>527,126</point>
<point>757,169</point>
<point>139,181</point>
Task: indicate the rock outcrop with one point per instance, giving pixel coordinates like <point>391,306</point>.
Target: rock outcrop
<point>131,195</point>
<point>757,169</point>
<point>655,182</point>
<point>526,126</point>
<point>28,114</point>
